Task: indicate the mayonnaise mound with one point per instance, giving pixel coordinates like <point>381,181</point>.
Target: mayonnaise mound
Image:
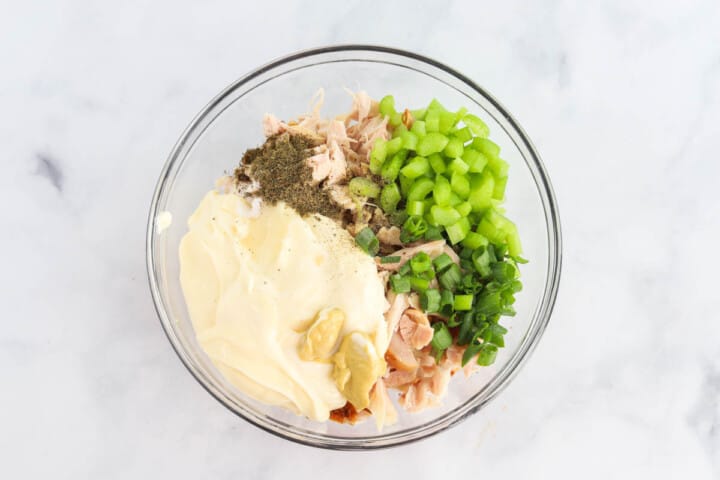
<point>255,284</point>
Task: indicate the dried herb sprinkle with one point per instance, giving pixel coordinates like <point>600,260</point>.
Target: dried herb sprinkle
<point>280,167</point>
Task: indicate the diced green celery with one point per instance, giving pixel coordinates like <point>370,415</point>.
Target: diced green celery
<point>378,155</point>
<point>476,161</point>
<point>437,163</point>
<point>460,185</point>
<point>420,189</point>
<point>387,105</point>
<point>474,240</point>
<point>444,215</point>
<point>389,197</point>
<point>457,165</point>
<point>455,199</point>
<point>433,142</point>
<point>435,105</point>
<point>447,121</point>
<point>392,167</point>
<point>499,190</point>
<point>513,242</point>
<point>410,140</point>
<point>432,121</point>
<point>393,146</point>
<point>464,134</point>
<point>415,207</point>
<point>463,208</point>
<point>481,190</point>
<point>442,191</point>
<point>458,230</point>
<point>454,148</point>
<point>395,119</point>
<point>418,128</point>
<point>405,184</point>
<point>419,114</point>
<point>486,146</point>
<point>416,167</point>
<point>478,127</point>
<point>490,231</point>
<point>498,166</point>
<point>399,131</point>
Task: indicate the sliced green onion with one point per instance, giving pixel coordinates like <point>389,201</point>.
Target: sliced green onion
<point>419,284</point>
<point>430,300</point>
<point>399,284</point>
<point>367,241</point>
<point>450,277</point>
<point>441,337</point>
<point>481,261</point>
<point>420,262</point>
<point>389,197</point>
<point>441,262</point>
<point>413,229</point>
<point>364,187</point>
<point>463,302</point>
<point>433,233</point>
<point>433,142</point>
<point>404,269</point>
<point>416,167</point>
<point>487,354</point>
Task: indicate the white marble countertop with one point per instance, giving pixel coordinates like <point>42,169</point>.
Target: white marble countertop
<point>623,102</point>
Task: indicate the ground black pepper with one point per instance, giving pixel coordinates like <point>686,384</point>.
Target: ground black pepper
<point>280,168</point>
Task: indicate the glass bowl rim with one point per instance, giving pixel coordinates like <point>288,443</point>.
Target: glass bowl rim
<point>541,318</point>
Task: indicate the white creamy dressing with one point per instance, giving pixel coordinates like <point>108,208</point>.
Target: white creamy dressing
<point>253,284</point>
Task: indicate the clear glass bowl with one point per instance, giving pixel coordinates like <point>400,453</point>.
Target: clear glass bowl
<point>214,143</point>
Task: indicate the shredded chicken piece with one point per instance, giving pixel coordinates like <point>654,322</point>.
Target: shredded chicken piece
<point>400,355</point>
<point>398,304</point>
<point>381,406</point>
<point>389,236</point>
